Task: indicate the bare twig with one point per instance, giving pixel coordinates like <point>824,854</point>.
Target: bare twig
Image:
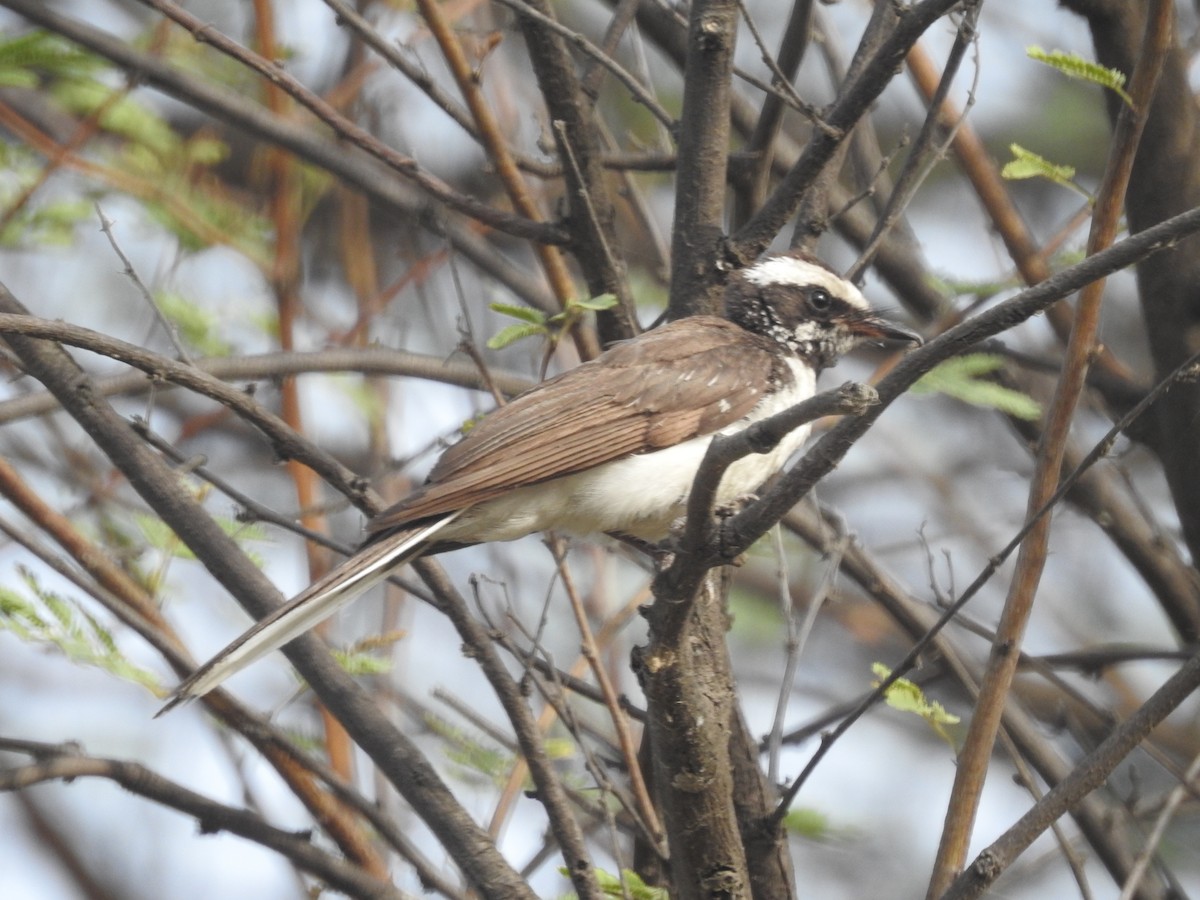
<point>285,441</point>
<point>496,145</point>
<point>753,237</point>
<point>591,653</point>
<point>1178,794</point>
<point>927,149</point>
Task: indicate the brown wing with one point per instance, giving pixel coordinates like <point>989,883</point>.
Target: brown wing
<point>690,377</point>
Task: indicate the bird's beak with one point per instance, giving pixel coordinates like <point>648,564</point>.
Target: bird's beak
<point>873,328</point>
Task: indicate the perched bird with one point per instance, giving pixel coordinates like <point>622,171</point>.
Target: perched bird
<point>610,446</point>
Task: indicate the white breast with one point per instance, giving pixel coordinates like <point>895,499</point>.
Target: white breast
<point>640,495</point>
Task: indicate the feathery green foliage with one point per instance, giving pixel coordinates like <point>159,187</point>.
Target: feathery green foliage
<point>27,58</point>
<point>149,160</point>
<point>962,378</point>
<point>198,326</point>
<point>472,756</point>
<point>161,538</point>
<point>1075,66</point>
<point>362,662</point>
<point>980,290</point>
<point>54,620</point>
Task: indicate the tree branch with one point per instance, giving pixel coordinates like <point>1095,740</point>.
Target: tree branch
<point>212,817</point>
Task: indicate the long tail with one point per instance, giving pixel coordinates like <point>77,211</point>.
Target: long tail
<point>362,571</point>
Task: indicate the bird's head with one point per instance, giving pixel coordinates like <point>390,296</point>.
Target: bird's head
<point>796,300</point>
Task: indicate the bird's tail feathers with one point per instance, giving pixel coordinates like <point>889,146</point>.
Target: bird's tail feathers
<point>361,572</point>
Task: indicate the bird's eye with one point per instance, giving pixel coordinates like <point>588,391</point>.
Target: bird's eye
<point>820,300</point>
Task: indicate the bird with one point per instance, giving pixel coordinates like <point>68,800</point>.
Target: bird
<point>610,446</point>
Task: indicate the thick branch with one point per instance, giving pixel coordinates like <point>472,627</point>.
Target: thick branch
<point>698,227</point>
<point>697,551</point>
<point>1091,772</point>
<point>550,790</point>
<point>975,757</point>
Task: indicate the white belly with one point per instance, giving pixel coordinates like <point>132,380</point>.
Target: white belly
<point>640,495</point>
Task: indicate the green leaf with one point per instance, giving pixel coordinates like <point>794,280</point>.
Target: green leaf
<point>962,378</point>
<point>807,823</point>
<point>160,537</point>
<point>597,304</point>
<point>1075,66</point>
<point>473,756</point>
<point>510,334</point>
<point>206,151</point>
<point>535,325</point>
<point>611,886</point>
<point>52,223</point>
<point>362,662</point>
<point>1027,164</point>
<point>980,290</point>
<point>17,78</point>
<point>905,696</point>
<point>516,311</point>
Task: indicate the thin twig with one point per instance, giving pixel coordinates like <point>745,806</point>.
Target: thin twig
<point>1178,794</point>
<point>286,441</point>
<point>797,637</point>
<point>639,93</point>
<point>926,151</point>
<point>296,137</point>
<point>168,327</point>
<point>591,653</point>
<point>496,145</point>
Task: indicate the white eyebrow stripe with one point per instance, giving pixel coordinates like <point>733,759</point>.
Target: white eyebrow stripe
<point>791,270</point>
